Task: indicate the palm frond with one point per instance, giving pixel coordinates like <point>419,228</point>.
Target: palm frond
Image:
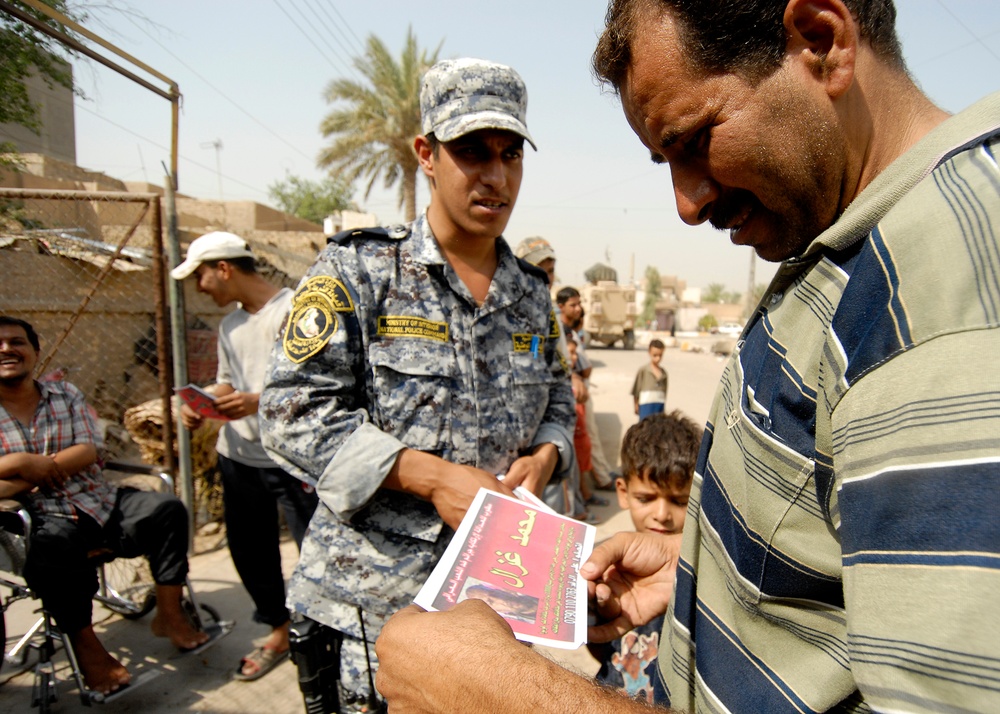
<point>375,120</point>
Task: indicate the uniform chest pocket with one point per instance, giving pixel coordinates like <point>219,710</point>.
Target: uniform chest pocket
<point>414,380</point>
<point>530,380</point>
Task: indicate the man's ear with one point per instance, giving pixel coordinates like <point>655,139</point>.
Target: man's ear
<point>824,35</point>
<point>224,269</point>
<point>425,155</point>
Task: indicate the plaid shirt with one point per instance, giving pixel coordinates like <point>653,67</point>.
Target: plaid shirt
<point>62,419</point>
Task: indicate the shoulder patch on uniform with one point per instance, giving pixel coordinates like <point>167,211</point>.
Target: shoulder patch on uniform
<point>396,232</point>
<point>554,329</point>
<point>404,326</point>
<point>313,320</point>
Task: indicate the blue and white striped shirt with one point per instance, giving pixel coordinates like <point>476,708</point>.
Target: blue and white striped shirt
<point>842,545</point>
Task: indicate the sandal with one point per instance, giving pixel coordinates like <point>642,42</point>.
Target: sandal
<point>264,659</point>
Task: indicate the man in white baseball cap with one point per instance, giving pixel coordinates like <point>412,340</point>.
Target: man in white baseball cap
<point>253,485</point>
<point>217,245</point>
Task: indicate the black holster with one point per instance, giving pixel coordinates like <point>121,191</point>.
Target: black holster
<point>315,650</point>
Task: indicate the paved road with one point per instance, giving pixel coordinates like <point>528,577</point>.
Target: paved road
<point>203,682</point>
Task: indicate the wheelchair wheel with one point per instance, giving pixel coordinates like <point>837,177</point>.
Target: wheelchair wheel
<point>128,587</point>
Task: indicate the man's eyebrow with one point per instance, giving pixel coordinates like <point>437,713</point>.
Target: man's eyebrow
<point>669,139</point>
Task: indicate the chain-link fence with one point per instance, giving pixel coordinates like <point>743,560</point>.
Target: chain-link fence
<point>87,270</point>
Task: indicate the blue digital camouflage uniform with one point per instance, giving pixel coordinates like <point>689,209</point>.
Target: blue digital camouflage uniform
<point>384,349</point>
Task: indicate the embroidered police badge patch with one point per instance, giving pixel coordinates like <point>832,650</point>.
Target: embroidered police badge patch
<point>313,320</point>
<point>404,326</point>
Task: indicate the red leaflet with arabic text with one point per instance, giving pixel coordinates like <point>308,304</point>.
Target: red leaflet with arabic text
<point>200,401</point>
<point>523,560</point>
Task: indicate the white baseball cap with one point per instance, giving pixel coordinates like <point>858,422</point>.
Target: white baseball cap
<point>217,245</point>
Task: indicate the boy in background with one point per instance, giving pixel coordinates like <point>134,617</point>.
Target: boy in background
<point>658,460</point>
<point>649,390</point>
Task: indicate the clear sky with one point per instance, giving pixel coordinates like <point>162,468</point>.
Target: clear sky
<point>252,74</point>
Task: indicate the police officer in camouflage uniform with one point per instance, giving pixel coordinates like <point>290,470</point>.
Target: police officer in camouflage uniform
<point>417,364</point>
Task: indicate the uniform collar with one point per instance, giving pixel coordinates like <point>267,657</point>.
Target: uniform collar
<point>509,281</point>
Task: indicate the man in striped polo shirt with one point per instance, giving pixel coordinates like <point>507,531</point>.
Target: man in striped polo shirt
<point>842,546</point>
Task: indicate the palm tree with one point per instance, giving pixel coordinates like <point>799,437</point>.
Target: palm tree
<point>374,133</point>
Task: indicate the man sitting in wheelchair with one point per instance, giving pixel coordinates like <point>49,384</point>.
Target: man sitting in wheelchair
<point>49,459</point>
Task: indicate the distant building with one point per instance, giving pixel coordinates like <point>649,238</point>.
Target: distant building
<point>347,220</point>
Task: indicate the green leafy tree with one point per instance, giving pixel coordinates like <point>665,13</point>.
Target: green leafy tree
<point>653,286</point>
<point>717,293</point>
<point>707,322</point>
<point>713,293</point>
<point>374,132</point>
<point>311,200</point>
<point>25,51</point>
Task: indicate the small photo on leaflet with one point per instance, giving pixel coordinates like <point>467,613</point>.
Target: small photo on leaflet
<point>507,603</point>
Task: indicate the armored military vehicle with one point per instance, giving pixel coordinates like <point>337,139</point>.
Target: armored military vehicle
<point>609,309</point>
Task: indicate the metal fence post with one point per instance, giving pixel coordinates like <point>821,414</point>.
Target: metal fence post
<point>178,333</point>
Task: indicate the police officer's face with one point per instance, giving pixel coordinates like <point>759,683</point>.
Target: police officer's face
<point>475,180</point>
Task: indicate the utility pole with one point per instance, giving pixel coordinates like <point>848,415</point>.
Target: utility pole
<point>751,282</point>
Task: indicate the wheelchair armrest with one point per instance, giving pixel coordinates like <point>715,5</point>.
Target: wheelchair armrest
<point>120,473</point>
<point>15,534</point>
<point>14,517</point>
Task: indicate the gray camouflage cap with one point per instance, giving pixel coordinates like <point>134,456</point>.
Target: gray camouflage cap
<point>460,96</point>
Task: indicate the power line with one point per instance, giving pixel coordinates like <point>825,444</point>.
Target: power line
<point>187,160</point>
<point>218,91</point>
<point>329,37</point>
<point>324,35</point>
<point>975,38</point>
<point>303,32</point>
<point>348,26</point>
<point>359,45</point>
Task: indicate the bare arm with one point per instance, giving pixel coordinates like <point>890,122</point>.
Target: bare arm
<point>76,458</point>
<point>450,487</point>
<point>13,487</point>
<point>580,392</point>
<point>478,666</point>
<point>44,470</point>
